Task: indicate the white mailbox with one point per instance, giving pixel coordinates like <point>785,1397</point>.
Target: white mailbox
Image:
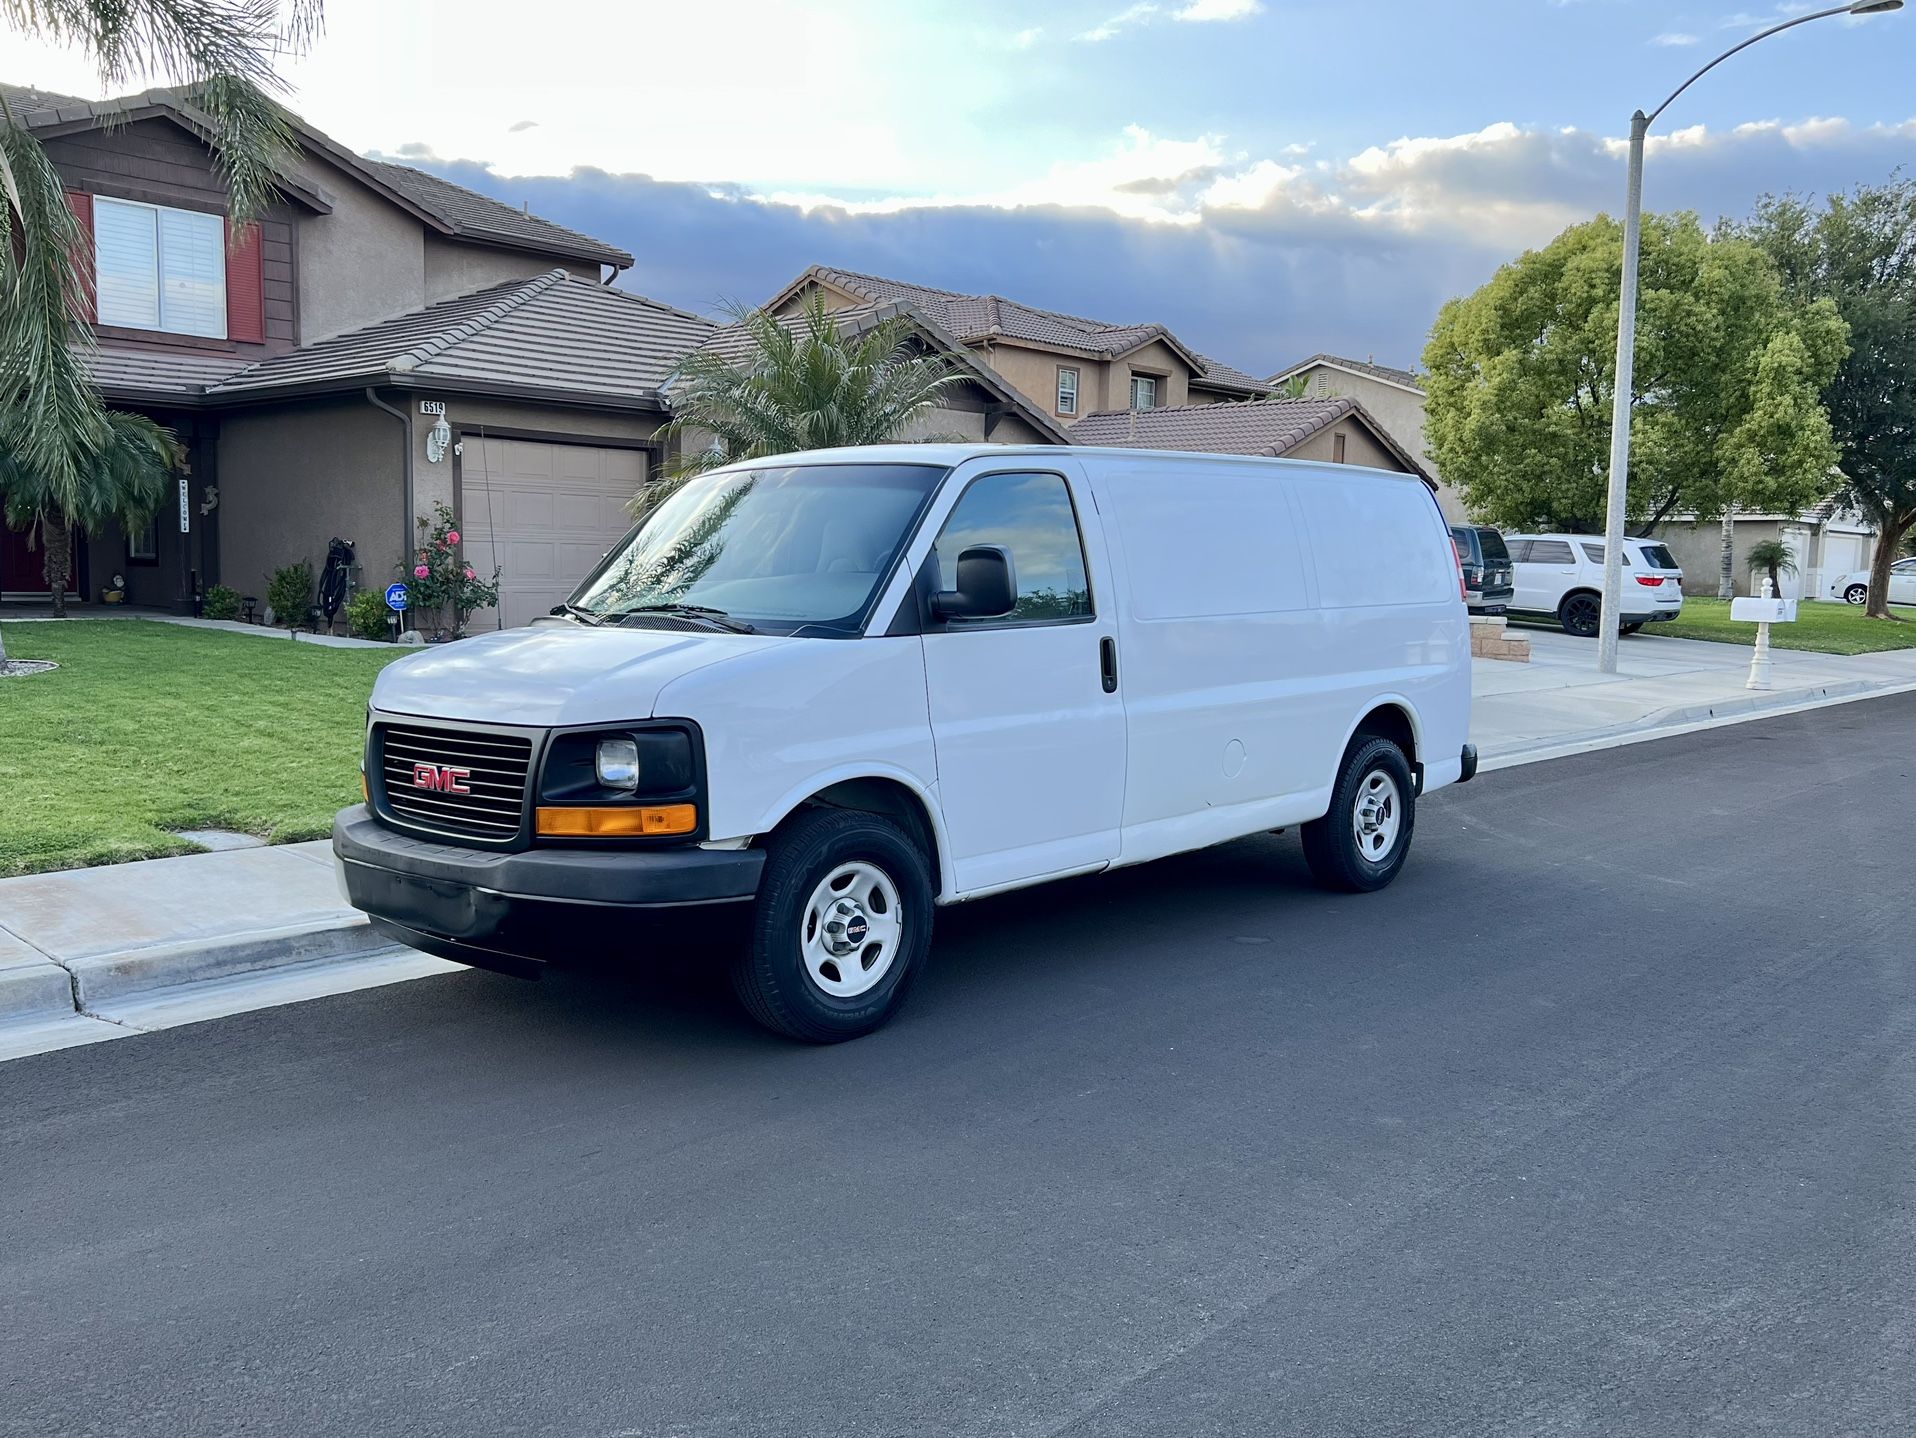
<point>1763,611</point>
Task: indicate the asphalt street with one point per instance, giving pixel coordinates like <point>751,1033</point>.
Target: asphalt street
<point>1602,1120</point>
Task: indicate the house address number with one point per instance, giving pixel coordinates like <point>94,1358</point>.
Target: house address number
<point>432,406</point>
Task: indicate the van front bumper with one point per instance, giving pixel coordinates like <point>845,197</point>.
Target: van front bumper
<point>517,911</point>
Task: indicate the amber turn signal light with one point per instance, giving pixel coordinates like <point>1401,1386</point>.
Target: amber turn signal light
<point>621,821</point>
<point>365,788</point>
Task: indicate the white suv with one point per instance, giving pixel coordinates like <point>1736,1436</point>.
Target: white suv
<point>1561,575</point>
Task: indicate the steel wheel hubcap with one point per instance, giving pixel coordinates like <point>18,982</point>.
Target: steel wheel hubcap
<point>851,929</point>
<point>1377,816</point>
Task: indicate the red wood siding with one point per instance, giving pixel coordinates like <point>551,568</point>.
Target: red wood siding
<point>245,300</point>
<point>82,206</point>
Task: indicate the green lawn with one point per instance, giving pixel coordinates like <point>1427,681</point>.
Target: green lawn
<point>1826,628</point>
<point>149,727</point>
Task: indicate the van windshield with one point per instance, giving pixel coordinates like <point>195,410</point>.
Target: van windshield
<point>778,549</point>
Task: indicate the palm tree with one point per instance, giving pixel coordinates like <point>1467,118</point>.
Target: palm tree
<point>809,384</point>
<point>1774,558</point>
<point>125,479</point>
<point>224,53</point>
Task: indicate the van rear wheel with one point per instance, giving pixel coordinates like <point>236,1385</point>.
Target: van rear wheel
<point>1360,844</point>
<point>842,926</point>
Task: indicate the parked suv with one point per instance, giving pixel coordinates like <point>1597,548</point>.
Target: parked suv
<point>851,686</point>
<point>1561,575</point>
<point>1486,565</point>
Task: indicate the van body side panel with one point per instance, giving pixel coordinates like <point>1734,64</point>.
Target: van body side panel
<point>1394,625</point>
<point>1217,614</point>
<point>806,716</point>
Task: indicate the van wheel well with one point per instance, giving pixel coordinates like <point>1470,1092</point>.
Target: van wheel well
<point>1388,721</point>
<point>881,796</point>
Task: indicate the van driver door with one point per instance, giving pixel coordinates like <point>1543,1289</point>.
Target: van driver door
<point>1027,715</point>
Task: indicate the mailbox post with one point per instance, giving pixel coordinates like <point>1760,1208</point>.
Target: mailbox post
<point>1762,612</point>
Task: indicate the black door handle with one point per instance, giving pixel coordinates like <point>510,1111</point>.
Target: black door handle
<point>1108,663</point>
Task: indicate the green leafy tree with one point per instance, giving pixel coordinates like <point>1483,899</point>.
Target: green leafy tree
<point>811,382</point>
<point>224,53</point>
<point>1858,252</point>
<point>1729,373</point>
<point>124,479</point>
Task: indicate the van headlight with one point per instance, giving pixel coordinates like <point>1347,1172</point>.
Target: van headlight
<point>642,780</point>
<point>617,764</point>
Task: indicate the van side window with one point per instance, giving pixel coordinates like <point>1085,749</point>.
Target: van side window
<point>1551,551</point>
<point>1519,550</point>
<point>1030,515</point>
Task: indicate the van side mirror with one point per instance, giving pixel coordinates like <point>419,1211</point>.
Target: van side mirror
<point>987,588</point>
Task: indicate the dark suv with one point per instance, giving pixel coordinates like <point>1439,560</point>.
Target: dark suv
<point>1486,564</point>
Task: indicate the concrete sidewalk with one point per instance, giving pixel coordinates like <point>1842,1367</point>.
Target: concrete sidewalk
<point>95,953</point>
<point>1558,700</point>
<point>135,946</point>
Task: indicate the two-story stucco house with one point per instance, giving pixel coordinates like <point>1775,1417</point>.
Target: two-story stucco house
<point>306,361</point>
<point>1065,366</point>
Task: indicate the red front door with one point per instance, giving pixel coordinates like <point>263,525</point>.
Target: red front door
<point>23,570</point>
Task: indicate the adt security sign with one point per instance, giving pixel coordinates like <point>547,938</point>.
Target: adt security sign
<point>396,598</point>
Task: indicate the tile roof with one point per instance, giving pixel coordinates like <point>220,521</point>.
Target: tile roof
<point>733,343</point>
<point>479,216</point>
<point>1270,427</point>
<point>975,319</point>
<point>1375,371</point>
<point>157,373</point>
<point>452,208</point>
<point>553,334</point>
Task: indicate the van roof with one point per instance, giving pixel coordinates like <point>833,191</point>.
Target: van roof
<point>952,454</point>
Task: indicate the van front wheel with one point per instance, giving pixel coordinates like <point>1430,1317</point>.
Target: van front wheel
<point>1361,843</point>
<point>842,926</point>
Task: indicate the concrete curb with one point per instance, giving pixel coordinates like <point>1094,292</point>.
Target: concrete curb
<point>32,986</point>
<point>112,977</point>
<point>1675,722</point>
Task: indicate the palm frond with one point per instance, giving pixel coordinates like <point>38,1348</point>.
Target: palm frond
<point>810,383</point>
<point>50,413</point>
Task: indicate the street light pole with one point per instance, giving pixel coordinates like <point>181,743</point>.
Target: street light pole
<point>1624,399</point>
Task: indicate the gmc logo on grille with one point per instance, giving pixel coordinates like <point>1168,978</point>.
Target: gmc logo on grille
<point>441,778</point>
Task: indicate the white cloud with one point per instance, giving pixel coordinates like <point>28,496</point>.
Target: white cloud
<point>1203,10</point>
<point>1025,39</point>
<point>1146,12</point>
<point>1124,19</point>
<point>1674,38</point>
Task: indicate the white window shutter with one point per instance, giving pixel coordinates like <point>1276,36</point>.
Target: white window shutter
<point>192,273</point>
<point>126,259</point>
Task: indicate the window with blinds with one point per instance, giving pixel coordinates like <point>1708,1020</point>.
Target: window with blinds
<point>159,268</point>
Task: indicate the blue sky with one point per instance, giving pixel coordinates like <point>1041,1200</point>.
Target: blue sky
<point>1269,177</point>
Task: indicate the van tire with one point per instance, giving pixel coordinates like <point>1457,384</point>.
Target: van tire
<point>1331,845</point>
<point>1581,614</point>
<point>774,977</point>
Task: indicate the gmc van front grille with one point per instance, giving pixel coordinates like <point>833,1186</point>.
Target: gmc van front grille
<point>454,781</point>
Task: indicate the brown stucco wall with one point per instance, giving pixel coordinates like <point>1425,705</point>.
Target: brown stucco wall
<point>453,268</point>
<point>293,477</point>
<point>1359,447</point>
<point>363,262</point>
<point>1698,550</point>
<point>1157,359</point>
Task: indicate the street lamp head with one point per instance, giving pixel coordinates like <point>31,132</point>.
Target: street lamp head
<point>1875,7</point>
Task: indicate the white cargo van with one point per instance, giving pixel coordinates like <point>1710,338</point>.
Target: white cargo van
<point>853,685</point>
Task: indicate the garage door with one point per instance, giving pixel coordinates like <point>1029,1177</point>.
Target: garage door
<point>544,514</point>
